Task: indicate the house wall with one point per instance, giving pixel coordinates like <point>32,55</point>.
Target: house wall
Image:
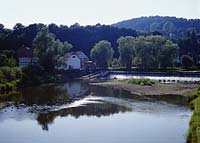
<point>74,62</point>
<point>25,61</point>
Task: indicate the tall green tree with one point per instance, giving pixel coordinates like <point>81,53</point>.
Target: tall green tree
<point>126,51</point>
<point>154,52</point>
<point>48,49</point>
<point>102,54</point>
<point>43,45</point>
<point>167,54</point>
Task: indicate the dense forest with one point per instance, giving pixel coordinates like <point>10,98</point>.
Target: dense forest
<point>81,37</point>
<point>169,26</point>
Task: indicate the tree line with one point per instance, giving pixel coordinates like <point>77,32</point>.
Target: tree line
<point>143,51</point>
<point>117,47</point>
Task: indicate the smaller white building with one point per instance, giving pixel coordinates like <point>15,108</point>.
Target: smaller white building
<point>74,61</point>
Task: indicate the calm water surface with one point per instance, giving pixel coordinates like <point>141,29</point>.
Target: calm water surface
<point>77,112</point>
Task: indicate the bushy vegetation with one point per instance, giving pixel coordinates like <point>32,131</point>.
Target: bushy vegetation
<point>194,130</point>
<point>141,81</point>
<point>102,54</point>
<point>35,75</point>
<point>147,52</point>
<point>186,61</point>
<point>83,38</point>
<point>11,96</point>
<point>9,77</point>
<point>134,48</point>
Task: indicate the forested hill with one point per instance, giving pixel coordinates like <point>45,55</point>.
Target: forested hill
<point>166,25</point>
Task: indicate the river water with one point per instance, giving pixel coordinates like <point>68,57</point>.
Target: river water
<point>77,112</point>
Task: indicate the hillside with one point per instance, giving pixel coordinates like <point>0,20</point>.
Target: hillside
<point>166,25</point>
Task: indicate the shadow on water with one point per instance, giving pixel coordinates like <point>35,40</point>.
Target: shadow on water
<point>98,110</point>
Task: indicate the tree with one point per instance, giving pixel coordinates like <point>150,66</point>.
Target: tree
<point>168,27</point>
<point>154,52</point>
<point>168,54</point>
<point>48,49</point>
<point>7,58</point>
<point>126,51</point>
<point>186,61</point>
<point>43,45</point>
<point>67,47</point>
<point>154,27</point>
<point>102,54</point>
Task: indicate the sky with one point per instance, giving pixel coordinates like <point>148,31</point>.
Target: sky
<point>90,12</point>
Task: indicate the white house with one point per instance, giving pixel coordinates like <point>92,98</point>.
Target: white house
<point>25,57</point>
<point>74,61</point>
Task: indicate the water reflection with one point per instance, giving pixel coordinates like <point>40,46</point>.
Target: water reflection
<point>98,110</point>
<point>54,94</point>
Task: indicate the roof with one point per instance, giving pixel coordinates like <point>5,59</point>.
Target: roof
<point>25,52</point>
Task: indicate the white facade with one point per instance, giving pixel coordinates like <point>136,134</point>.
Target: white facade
<point>73,62</point>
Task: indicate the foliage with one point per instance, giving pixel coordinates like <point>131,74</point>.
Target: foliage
<point>115,63</point>
<point>82,38</point>
<point>9,78</point>
<point>11,96</point>
<point>147,52</point>
<point>126,51</point>
<point>186,61</point>
<point>177,27</point>
<point>194,129</point>
<point>38,76</point>
<point>102,54</point>
<point>190,46</point>
<point>48,49</point>
<point>141,81</point>
<point>8,74</point>
<point>7,58</point>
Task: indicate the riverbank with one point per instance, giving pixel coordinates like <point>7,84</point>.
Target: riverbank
<point>155,89</point>
<point>194,129</point>
<point>190,91</point>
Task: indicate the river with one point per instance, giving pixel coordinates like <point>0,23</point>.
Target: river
<point>77,112</point>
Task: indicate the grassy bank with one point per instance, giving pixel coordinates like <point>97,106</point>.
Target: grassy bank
<point>194,129</point>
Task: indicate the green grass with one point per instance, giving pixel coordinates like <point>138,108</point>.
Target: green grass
<point>194,130</point>
<point>141,81</point>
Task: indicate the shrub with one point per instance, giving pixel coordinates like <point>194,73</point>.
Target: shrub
<point>18,72</point>
<point>8,73</point>
<point>186,61</point>
<point>141,81</point>
<point>2,77</point>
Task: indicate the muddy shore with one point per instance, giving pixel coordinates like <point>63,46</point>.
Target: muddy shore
<point>155,89</point>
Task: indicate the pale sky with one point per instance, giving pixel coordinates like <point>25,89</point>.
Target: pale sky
<point>90,12</point>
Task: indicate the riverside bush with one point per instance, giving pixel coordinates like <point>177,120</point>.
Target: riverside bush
<point>141,81</point>
<point>194,130</point>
